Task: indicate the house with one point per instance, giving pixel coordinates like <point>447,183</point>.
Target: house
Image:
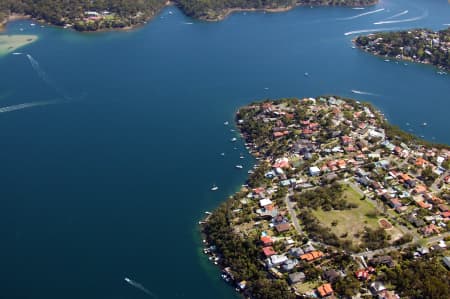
<point>331,275</point>
<point>266,240</point>
<point>394,203</point>
<point>296,277</point>
<point>314,171</point>
<point>446,261</point>
<point>377,287</point>
<point>265,202</point>
<point>282,227</point>
<point>385,294</point>
<point>269,251</point>
<point>362,274</point>
<point>296,251</point>
<point>429,230</point>
<point>382,260</point>
<point>289,265</point>
<point>276,260</point>
<point>311,256</point>
<point>325,290</point>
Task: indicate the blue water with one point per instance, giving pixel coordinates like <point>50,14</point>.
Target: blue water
<point>111,181</point>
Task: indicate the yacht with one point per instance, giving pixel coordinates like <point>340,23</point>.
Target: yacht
<point>214,188</point>
<point>239,166</point>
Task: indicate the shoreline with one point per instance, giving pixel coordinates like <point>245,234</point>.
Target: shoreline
<point>395,51</point>
<point>220,17</point>
<point>228,12</point>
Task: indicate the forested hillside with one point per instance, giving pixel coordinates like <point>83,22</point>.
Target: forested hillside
<point>88,15</point>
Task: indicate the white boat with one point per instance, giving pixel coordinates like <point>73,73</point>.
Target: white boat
<point>127,279</point>
<point>424,124</point>
<point>170,12</point>
<point>222,154</point>
<point>233,139</point>
<point>16,53</point>
<point>386,60</point>
<point>208,213</point>
<point>214,188</point>
<point>226,123</point>
<point>306,74</point>
<point>250,172</point>
<point>239,166</point>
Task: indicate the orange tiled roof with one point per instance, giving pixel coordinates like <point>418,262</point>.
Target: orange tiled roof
<point>325,290</point>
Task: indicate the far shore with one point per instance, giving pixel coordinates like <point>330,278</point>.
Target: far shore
<point>220,17</point>
<point>230,11</point>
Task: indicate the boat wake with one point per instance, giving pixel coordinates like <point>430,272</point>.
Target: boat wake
<point>368,30</point>
<point>139,286</point>
<point>398,15</point>
<point>28,105</point>
<point>423,16</point>
<point>41,73</point>
<point>362,15</point>
<point>364,93</point>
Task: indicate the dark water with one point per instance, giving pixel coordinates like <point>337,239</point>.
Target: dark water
<point>111,181</point>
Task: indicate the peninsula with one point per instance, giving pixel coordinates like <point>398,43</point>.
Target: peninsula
<point>341,203</point>
<point>418,45</point>
<point>86,15</point>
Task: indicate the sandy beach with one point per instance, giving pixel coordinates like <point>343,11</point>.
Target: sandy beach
<point>10,43</point>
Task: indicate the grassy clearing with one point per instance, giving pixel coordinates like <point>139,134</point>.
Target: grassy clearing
<point>303,287</point>
<point>352,221</point>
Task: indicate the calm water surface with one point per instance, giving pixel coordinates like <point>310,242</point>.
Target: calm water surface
<point>110,179</point>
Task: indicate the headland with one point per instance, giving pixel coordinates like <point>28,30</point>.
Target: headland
<point>341,203</point>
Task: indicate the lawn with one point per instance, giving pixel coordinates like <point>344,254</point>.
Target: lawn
<point>352,221</point>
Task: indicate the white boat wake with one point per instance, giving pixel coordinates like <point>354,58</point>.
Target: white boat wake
<point>398,15</point>
<point>139,286</point>
<point>362,15</point>
<point>41,73</point>
<point>28,105</point>
<point>368,30</point>
<point>403,20</point>
<point>364,93</point>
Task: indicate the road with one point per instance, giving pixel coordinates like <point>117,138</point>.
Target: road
<point>291,210</point>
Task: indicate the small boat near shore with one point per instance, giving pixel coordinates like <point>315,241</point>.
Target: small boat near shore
<point>233,139</point>
<point>239,166</point>
<point>214,188</point>
<point>226,123</point>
